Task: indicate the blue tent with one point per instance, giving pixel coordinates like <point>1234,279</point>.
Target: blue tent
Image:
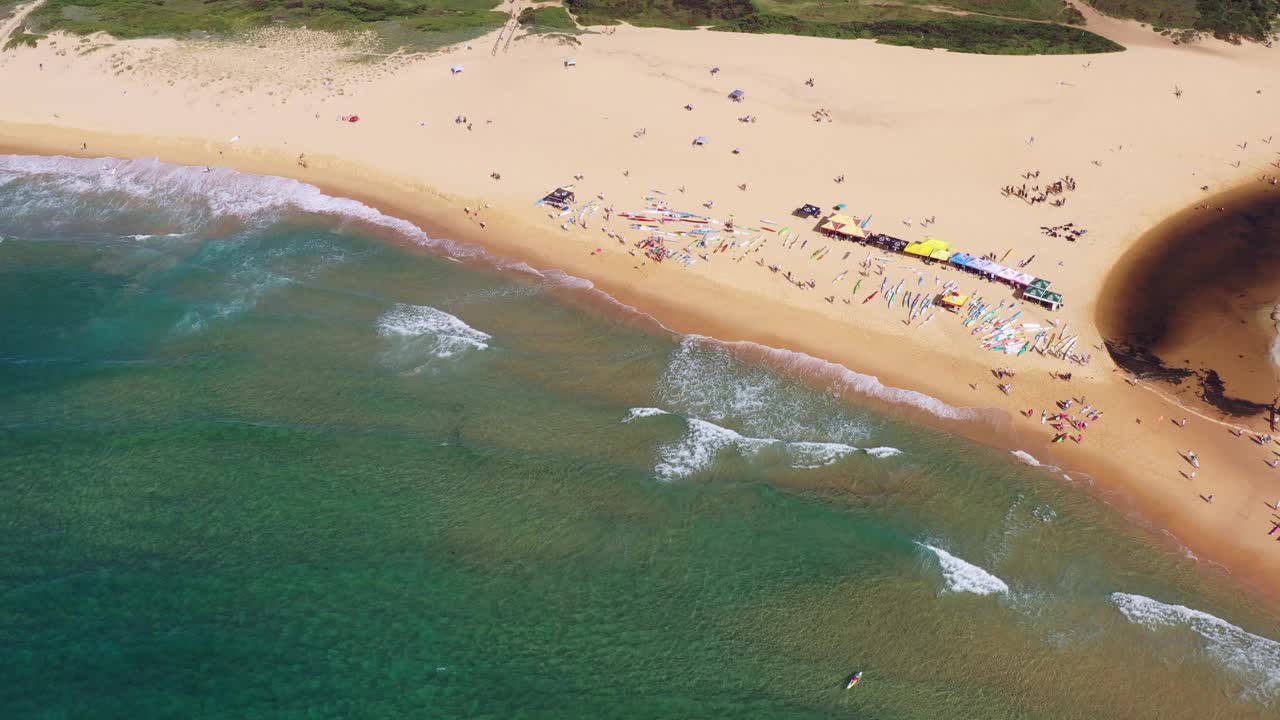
<point>961,259</point>
<point>737,96</point>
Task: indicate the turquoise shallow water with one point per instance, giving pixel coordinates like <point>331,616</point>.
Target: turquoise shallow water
<point>256,461</point>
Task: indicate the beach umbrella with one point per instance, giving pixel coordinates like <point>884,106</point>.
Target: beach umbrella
<point>456,69</point>
<point>841,206</point>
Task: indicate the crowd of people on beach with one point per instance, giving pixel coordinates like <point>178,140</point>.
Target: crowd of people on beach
<point>1037,193</point>
<point>1069,231</point>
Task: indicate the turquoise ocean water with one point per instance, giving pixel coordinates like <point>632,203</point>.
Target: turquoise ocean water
<point>257,460</point>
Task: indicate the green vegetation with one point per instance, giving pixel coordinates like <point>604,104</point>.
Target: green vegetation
<point>973,34</point>
<point>553,17</point>
<point>1226,19</point>
<point>975,26</point>
<point>659,13</point>
<point>1158,13</point>
<point>416,22</point>
<point>6,9</point>
<point>19,39</point>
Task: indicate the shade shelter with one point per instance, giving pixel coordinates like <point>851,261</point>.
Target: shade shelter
<point>560,198</point>
<point>808,211</point>
<point>930,248</point>
<point>889,242</point>
<point>961,259</point>
<point>842,227</point>
<point>456,69</point>
<point>1007,274</point>
<point>701,140</point>
<point>1043,295</point>
<point>953,300</point>
<point>571,62</point>
<point>737,96</point>
<point>983,265</point>
<point>1022,279</point>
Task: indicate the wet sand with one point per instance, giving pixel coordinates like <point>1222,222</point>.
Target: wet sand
<point>1192,302</point>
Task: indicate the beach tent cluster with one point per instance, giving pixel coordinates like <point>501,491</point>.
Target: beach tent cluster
<point>846,227</point>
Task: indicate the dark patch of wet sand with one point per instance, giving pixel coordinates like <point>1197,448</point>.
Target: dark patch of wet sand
<point>1192,302</point>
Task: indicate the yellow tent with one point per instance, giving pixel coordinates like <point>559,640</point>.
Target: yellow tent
<point>843,225</point>
<point>954,300</point>
<point>930,248</point>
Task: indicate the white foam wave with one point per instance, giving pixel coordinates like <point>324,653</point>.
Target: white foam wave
<point>961,576</point>
<point>1253,658</point>
<point>193,197</point>
<point>158,235</point>
<point>839,379</point>
<point>703,441</point>
<point>703,378</point>
<point>699,447</point>
<point>810,455</point>
<point>446,335</point>
<point>645,412</point>
<point>1026,457</point>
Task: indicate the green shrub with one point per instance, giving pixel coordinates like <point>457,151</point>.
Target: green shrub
<point>554,16</point>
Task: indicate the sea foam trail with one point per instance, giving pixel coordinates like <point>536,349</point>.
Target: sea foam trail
<point>840,379</point>
<point>1253,658</point>
<point>703,441</point>
<point>961,576</point>
<point>446,334</point>
<point>705,379</point>
<point>192,198</point>
<point>1026,457</point>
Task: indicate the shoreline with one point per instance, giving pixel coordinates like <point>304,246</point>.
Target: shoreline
<point>510,238</point>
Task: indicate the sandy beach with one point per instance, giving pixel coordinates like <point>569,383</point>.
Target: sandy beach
<point>916,135</point>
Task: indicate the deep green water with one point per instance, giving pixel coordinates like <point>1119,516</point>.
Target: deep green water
<point>276,466</point>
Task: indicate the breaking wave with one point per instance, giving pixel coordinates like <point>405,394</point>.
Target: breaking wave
<point>961,576</point>
<point>1252,658</point>
<point>703,378</point>
<point>421,336</point>
<point>1026,457</point>
<point>835,380</point>
<point>158,198</point>
<point>703,441</point>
